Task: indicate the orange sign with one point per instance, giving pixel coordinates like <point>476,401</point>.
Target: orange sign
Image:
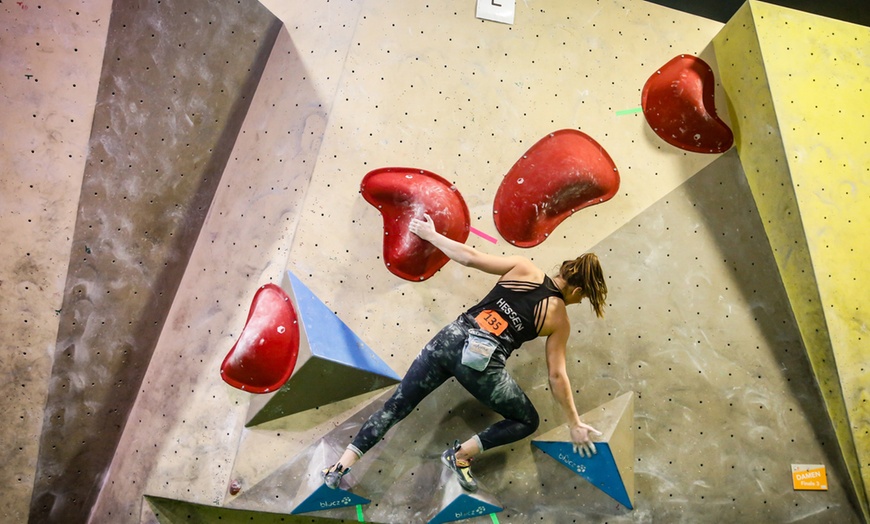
<point>491,321</point>
<point>809,477</point>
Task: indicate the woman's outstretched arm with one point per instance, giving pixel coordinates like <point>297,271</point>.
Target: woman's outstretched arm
<point>560,384</point>
<point>522,268</point>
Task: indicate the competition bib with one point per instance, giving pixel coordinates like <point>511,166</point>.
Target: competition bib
<point>491,321</point>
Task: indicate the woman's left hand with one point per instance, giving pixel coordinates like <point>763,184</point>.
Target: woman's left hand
<point>582,441</point>
<point>424,229</point>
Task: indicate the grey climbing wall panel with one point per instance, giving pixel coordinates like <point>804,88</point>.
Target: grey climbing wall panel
<point>162,132</point>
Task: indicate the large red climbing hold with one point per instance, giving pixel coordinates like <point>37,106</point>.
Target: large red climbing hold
<point>264,357</point>
<point>678,103</point>
<point>558,176</point>
<point>401,194</point>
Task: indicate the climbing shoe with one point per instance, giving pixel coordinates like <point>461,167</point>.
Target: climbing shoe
<point>462,468</point>
<point>332,475</point>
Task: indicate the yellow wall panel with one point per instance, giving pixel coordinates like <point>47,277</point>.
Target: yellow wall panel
<point>818,72</point>
<point>795,82</point>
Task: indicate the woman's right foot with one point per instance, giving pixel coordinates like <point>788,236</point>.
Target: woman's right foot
<point>332,475</point>
<point>462,468</point>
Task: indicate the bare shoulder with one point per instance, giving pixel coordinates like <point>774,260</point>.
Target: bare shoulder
<point>557,320</point>
<point>525,270</point>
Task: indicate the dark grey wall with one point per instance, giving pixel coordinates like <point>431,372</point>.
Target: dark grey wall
<point>176,84</point>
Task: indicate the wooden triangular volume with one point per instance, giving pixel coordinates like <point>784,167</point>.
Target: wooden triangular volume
<point>611,469</point>
<point>430,493</point>
<point>456,504</point>
<point>314,495</point>
<point>297,487</point>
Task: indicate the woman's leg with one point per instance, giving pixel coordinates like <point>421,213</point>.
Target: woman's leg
<point>430,369</point>
<point>424,376</point>
<point>496,389</point>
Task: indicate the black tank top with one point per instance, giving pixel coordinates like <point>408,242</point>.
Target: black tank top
<point>514,311</point>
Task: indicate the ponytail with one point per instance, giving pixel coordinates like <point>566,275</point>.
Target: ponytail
<point>585,273</point>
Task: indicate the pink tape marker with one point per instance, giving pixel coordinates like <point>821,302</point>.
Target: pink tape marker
<point>483,235</point>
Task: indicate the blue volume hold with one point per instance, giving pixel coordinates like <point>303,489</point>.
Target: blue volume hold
<point>599,469</point>
<point>325,498</point>
<point>464,507</point>
<point>329,337</point>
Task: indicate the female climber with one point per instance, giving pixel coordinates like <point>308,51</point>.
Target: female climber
<point>524,304</point>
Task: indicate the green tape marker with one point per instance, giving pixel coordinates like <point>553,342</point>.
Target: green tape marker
<point>359,515</point>
<point>629,111</point>
<point>494,518</point>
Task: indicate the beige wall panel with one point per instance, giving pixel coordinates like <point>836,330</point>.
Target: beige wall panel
<point>700,326</point>
<point>268,446</point>
<point>182,435</point>
<point>427,85</point>
<point>50,60</point>
<point>321,34</point>
<point>435,88</point>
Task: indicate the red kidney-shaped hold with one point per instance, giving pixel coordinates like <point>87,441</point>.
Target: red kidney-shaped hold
<point>403,193</point>
<point>678,103</point>
<point>265,355</point>
<point>561,174</point>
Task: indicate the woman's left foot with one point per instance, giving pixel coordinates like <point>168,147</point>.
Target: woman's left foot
<point>462,468</point>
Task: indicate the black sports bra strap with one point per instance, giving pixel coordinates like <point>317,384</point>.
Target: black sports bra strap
<point>518,285</point>
<point>541,309</point>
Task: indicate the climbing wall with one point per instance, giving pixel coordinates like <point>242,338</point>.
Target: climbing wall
<point>153,146</point>
<point>699,324</point>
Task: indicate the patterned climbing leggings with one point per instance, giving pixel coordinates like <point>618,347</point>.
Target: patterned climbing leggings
<point>440,360</point>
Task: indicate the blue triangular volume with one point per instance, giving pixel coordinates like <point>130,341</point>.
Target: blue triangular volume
<point>329,337</point>
<point>464,507</point>
<point>325,498</point>
<point>599,469</point>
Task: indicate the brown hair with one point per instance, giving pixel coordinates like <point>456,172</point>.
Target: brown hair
<point>585,273</point>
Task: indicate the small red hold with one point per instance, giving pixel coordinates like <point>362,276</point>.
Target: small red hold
<point>265,355</point>
<point>678,103</point>
<point>561,174</point>
<point>403,193</point>
<point>235,487</point>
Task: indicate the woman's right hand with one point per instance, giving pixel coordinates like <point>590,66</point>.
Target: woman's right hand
<point>463,254</point>
<point>424,229</point>
<point>580,436</point>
